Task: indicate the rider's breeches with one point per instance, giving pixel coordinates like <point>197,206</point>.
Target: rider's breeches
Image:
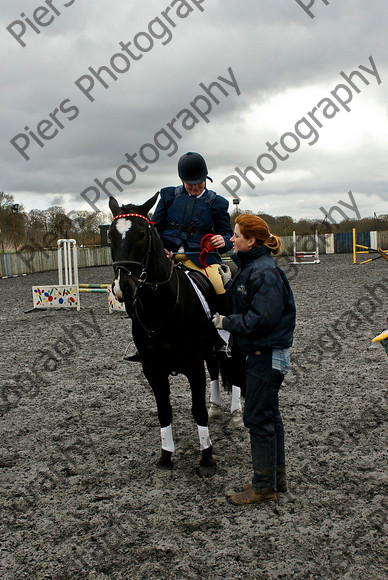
<point>211,271</point>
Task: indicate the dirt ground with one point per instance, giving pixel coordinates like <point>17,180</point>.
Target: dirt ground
<point>81,496</point>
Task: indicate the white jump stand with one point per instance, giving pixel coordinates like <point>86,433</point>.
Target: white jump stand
<point>66,293</point>
<point>311,257</point>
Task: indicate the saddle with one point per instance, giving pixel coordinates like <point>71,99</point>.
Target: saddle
<point>203,284</point>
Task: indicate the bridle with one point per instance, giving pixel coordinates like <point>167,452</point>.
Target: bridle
<point>141,280</point>
<point>125,264</point>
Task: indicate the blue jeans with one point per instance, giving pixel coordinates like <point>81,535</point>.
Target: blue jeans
<point>263,419</point>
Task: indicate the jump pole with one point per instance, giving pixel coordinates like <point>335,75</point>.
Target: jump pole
<point>366,250</point>
<point>113,304</point>
<point>300,257</point>
<point>94,285</point>
<point>96,288</point>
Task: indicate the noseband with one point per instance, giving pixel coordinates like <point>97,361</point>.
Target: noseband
<point>125,264</point>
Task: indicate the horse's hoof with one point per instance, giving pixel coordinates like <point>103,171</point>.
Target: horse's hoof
<point>207,465</point>
<point>165,461</point>
<point>214,411</point>
<point>207,470</point>
<point>236,420</point>
<point>164,467</point>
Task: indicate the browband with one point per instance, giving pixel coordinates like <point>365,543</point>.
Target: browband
<point>124,215</point>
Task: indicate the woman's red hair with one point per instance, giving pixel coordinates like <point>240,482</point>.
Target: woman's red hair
<point>253,226</point>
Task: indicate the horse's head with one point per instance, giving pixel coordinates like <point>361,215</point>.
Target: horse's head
<point>130,236</point>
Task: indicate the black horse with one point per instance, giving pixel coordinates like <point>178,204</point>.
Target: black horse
<point>170,327</point>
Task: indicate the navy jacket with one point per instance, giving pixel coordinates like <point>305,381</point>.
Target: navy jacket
<point>182,219</point>
<point>262,302</point>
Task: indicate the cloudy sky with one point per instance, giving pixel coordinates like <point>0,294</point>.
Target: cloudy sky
<point>128,122</point>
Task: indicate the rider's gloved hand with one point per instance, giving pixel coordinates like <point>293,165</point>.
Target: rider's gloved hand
<point>225,273</point>
<point>217,320</point>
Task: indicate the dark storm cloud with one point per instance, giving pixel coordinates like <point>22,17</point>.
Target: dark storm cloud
<point>271,47</point>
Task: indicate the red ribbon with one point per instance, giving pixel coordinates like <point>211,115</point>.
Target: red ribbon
<point>206,247</point>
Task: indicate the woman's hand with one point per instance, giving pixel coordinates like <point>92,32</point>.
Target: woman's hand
<point>225,273</point>
<point>218,320</point>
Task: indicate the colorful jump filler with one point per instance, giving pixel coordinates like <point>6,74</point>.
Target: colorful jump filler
<point>66,294</point>
<point>55,297</point>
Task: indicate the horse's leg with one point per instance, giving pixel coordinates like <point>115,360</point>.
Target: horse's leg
<point>229,374</point>
<point>161,389</point>
<point>213,368</point>
<point>236,374</point>
<point>197,380</point>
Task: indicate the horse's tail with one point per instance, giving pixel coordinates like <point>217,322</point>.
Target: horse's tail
<point>232,371</point>
<point>224,364</point>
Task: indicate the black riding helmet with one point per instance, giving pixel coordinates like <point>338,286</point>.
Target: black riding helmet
<point>192,168</point>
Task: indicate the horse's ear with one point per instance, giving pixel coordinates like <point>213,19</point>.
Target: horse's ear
<point>145,208</point>
<point>114,206</point>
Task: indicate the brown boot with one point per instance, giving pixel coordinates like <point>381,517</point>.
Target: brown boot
<point>252,495</point>
<point>279,488</point>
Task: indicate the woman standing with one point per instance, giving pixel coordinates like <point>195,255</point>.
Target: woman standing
<point>262,327</point>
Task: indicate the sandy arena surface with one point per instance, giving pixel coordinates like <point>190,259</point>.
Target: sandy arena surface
<point>81,496</point>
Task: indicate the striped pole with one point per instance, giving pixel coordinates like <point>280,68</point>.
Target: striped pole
<point>94,285</point>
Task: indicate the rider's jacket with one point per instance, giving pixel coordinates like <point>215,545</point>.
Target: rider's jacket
<point>183,220</point>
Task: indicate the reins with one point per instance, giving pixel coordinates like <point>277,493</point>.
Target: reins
<point>151,332</point>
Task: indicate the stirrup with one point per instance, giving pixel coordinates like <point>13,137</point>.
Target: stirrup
<point>133,357</point>
<point>223,349</point>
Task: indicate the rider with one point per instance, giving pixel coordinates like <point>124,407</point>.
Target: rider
<point>185,214</point>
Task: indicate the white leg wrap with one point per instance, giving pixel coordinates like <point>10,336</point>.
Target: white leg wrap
<point>236,399</point>
<point>215,394</point>
<point>167,439</point>
<point>204,437</point>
